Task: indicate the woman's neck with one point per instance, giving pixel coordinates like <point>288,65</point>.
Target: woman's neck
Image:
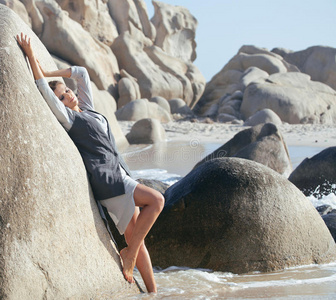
<point>76,108</point>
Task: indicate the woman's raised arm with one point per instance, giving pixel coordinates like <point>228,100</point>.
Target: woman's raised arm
<point>37,69</point>
<point>25,44</point>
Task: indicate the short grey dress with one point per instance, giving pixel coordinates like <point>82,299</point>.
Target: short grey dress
<point>120,207</point>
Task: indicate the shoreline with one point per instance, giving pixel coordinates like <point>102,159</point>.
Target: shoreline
<point>311,135</point>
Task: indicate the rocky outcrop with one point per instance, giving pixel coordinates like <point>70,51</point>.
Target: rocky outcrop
<point>158,73</point>
<point>266,80</point>
<point>53,242</point>
<point>176,36</point>
<point>262,143</point>
<point>146,131</point>
<point>235,215</point>
<point>249,65</point>
<point>317,61</point>
<point>315,175</point>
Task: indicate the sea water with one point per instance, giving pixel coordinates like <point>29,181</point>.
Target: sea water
<point>169,162</point>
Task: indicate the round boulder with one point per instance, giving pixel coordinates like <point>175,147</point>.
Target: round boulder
<point>161,102</point>
<point>263,116</point>
<point>235,215</point>
<point>178,106</point>
<point>146,131</point>
<point>140,109</point>
<point>315,176</point>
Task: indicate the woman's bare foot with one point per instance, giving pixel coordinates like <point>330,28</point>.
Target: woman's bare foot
<point>128,265</point>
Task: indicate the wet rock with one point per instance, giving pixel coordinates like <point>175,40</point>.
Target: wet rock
<point>146,131</point>
<point>262,143</point>
<point>235,215</point>
<point>154,184</point>
<point>53,242</point>
<point>315,176</point>
<point>330,221</point>
<point>324,209</point>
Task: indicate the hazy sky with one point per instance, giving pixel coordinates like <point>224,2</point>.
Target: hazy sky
<point>225,25</point>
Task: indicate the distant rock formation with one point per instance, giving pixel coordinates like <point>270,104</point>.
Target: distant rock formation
<point>108,36</point>
<point>236,215</point>
<point>53,242</point>
<point>257,79</point>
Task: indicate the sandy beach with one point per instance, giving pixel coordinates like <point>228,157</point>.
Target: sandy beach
<point>319,135</point>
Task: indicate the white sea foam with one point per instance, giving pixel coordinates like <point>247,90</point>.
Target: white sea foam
<point>324,200</point>
<point>158,174</point>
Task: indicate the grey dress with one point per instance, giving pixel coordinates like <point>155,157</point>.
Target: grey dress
<point>108,174</point>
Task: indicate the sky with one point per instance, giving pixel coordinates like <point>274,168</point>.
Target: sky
<point>226,25</point>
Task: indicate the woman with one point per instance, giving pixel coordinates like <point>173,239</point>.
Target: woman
<point>108,175</point>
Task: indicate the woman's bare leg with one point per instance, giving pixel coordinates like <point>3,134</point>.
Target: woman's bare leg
<point>152,203</point>
<point>143,261</point>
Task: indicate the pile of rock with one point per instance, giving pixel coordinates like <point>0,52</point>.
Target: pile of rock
<point>286,83</point>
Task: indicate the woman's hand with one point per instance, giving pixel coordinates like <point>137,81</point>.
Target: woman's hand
<point>27,48</point>
<point>25,44</point>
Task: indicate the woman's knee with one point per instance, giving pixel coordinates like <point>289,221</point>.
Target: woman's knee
<point>159,201</point>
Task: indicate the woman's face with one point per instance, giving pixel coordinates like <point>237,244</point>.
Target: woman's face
<point>66,95</point>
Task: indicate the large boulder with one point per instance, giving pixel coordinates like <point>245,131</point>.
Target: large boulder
<point>293,97</point>
<point>146,131</point>
<point>317,61</point>
<point>330,221</point>
<point>315,175</point>
<point>128,89</point>
<point>261,143</point>
<point>53,242</point>
<point>235,215</point>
